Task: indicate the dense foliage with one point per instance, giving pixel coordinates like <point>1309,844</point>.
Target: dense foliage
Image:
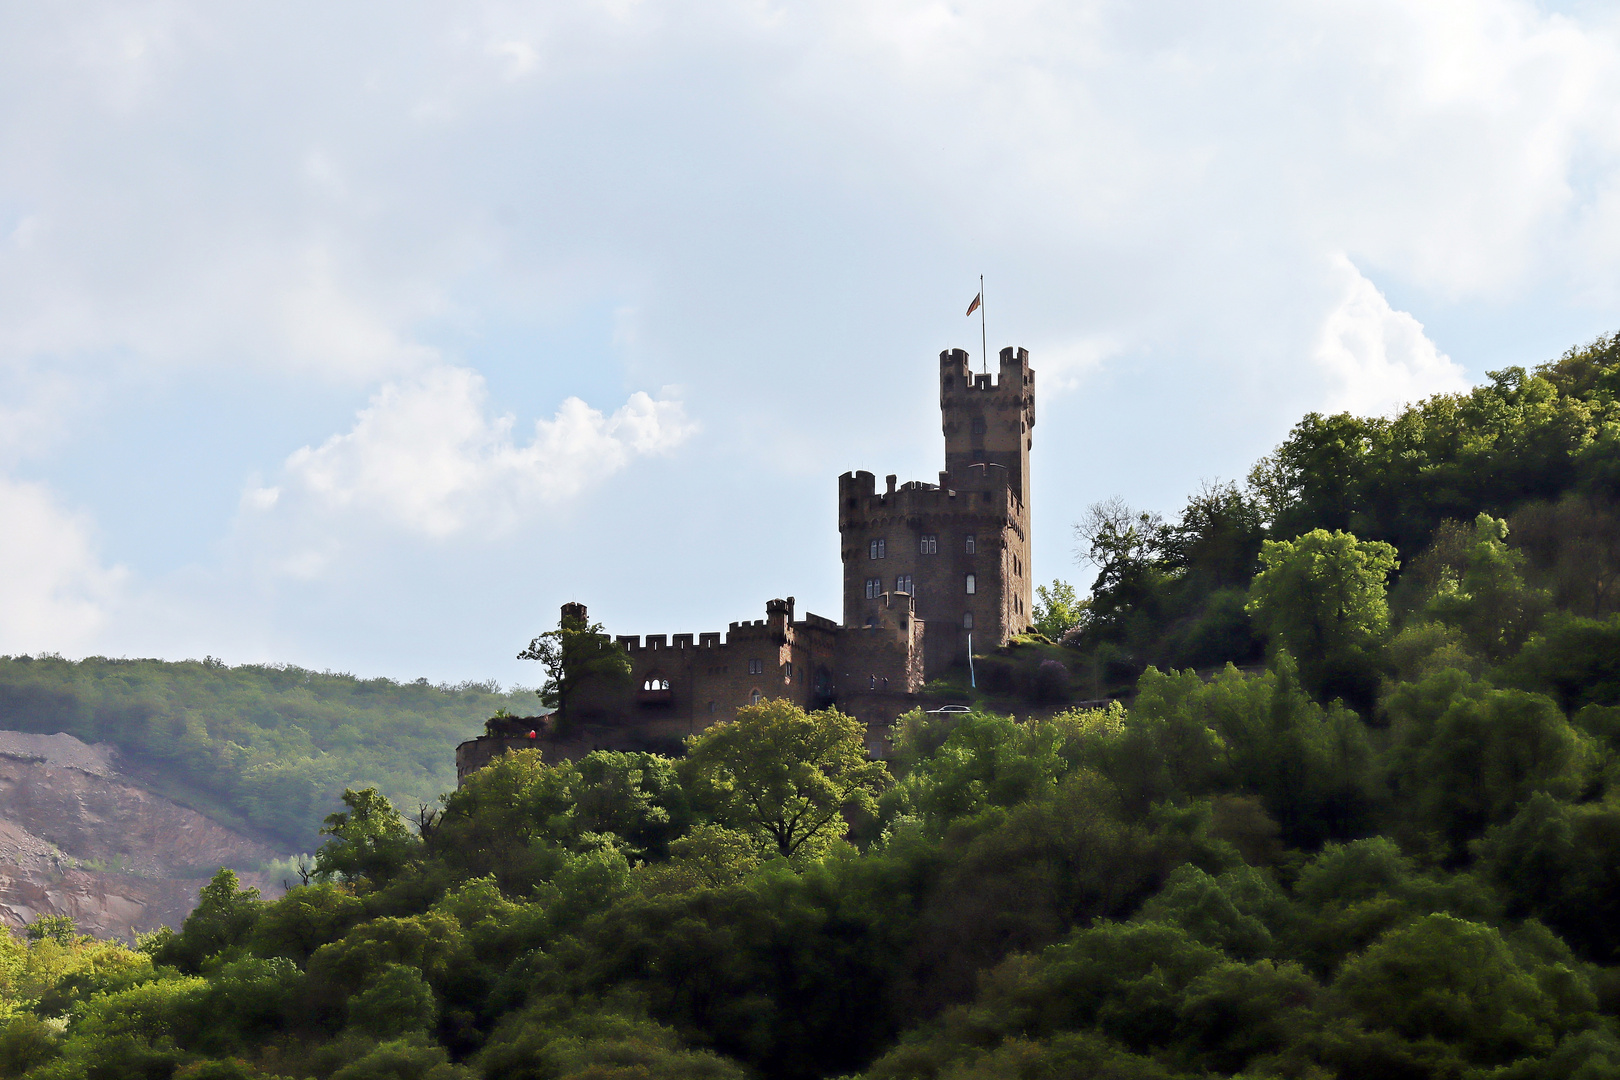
<point>1229,878</point>
<point>270,748</point>
<point>1538,450</point>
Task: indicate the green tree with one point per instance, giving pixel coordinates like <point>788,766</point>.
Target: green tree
<point>576,654</point>
<point>1464,755</point>
<point>395,1001</point>
<point>786,775</point>
<point>1459,983</point>
<point>222,920</point>
<point>58,928</point>
<point>1489,601</point>
<point>370,842</point>
<point>1321,597</point>
<point>1057,610</point>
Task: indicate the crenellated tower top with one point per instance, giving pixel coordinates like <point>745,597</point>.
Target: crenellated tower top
<point>988,421</point>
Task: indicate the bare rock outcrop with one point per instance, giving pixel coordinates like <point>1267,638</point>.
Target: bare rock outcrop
<point>79,837</point>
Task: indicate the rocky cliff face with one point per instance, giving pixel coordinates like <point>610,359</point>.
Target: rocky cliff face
<point>79,837</point>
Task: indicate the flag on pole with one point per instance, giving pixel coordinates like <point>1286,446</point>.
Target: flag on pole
<point>975,305</point>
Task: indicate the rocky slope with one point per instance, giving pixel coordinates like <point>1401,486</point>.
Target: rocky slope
<point>80,837</point>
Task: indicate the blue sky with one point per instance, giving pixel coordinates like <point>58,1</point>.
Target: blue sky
<point>362,336</point>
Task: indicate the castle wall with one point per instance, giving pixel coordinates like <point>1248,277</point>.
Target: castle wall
<point>908,555</point>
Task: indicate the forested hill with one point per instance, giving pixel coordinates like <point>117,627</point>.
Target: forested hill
<point>268,747</point>
<point>1538,451</point>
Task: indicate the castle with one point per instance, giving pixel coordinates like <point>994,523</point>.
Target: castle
<point>930,572</point>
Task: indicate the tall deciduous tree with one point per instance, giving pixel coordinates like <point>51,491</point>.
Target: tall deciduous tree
<point>1321,597</point>
<point>785,775</point>
<point>370,842</point>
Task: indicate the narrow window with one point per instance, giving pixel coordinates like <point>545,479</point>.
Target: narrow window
<point>902,583</point>
<point>873,684</point>
<point>875,548</point>
<point>874,588</point>
<point>712,707</point>
<point>753,698</point>
<point>970,544</point>
<point>756,667</point>
<point>929,545</point>
<point>978,425</point>
<point>972,584</point>
<point>967,621</point>
<point>790,671</point>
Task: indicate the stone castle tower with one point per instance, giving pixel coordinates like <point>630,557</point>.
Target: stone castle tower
<point>928,568</point>
<point>958,548</point>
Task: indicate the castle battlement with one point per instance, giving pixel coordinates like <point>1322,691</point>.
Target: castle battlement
<point>773,628</point>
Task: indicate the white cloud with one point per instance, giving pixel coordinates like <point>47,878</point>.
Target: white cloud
<point>55,594</point>
<point>1064,366</point>
<point>426,454</point>
<point>1379,357</point>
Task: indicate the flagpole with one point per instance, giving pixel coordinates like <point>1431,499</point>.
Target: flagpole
<point>984,346</point>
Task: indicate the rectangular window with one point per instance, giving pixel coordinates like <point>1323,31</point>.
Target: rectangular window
<point>789,671</point>
<point>967,621</point>
<point>970,544</point>
<point>875,550</point>
<point>978,425</point>
<point>902,583</point>
<point>929,545</point>
<point>874,588</point>
<point>972,584</point>
<point>756,667</point>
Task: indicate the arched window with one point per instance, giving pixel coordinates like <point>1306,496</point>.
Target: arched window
<point>655,682</point>
<point>972,583</point>
<point>970,543</point>
<point>754,697</point>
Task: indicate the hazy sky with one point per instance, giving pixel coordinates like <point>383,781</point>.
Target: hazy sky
<point>361,336</point>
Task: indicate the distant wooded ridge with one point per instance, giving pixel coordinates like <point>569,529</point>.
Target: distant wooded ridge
<point>267,747</point>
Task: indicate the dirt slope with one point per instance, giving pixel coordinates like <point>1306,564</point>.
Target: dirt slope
<point>80,838</point>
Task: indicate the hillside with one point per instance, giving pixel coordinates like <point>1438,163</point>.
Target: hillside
<point>262,748</point>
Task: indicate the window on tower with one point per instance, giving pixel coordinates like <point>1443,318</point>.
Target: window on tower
<point>967,621</point>
<point>970,544</point>
<point>756,667</point>
<point>929,545</point>
<point>874,588</point>
<point>972,581</point>
<point>978,425</point>
<point>902,583</point>
<point>875,549</point>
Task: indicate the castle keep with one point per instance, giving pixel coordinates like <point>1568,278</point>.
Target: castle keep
<point>930,571</point>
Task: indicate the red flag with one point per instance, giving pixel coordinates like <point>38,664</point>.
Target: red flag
<point>975,305</point>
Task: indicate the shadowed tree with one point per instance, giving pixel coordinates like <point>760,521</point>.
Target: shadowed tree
<point>576,653</point>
